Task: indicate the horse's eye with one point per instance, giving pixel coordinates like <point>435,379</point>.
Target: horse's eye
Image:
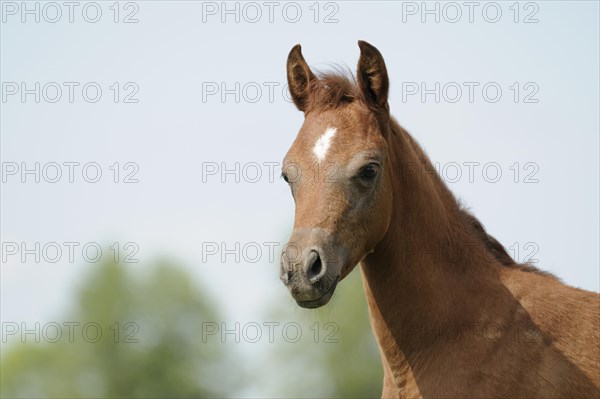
<point>285,178</point>
<point>369,172</point>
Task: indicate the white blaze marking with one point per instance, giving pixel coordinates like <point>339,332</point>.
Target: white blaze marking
<point>323,143</point>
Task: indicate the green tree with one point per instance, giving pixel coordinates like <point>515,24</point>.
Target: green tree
<point>150,345</point>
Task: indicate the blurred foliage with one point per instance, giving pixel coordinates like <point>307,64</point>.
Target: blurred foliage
<point>158,356</point>
<point>160,352</point>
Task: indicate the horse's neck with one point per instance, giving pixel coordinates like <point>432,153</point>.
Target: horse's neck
<point>422,273</point>
<point>434,289</point>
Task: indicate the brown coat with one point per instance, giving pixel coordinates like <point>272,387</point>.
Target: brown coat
<point>453,314</point>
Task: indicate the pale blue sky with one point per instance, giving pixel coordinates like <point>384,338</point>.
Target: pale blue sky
<point>170,53</point>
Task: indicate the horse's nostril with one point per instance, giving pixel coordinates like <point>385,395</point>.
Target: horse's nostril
<point>315,268</point>
<point>286,277</point>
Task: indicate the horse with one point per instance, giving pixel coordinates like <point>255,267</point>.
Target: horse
<point>452,313</point>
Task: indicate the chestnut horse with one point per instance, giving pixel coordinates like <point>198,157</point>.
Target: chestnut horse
<point>453,314</point>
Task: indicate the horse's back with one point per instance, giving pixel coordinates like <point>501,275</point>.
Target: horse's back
<point>567,321</point>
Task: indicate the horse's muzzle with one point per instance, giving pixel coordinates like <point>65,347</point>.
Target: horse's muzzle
<point>310,266</point>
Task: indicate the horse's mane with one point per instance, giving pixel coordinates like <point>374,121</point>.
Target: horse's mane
<point>470,222</point>
<point>337,88</point>
<point>333,89</point>
<point>495,247</point>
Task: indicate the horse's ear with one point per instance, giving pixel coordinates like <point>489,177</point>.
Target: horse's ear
<point>372,76</point>
<point>299,77</point>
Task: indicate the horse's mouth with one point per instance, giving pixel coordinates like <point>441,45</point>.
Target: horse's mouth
<point>322,300</point>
